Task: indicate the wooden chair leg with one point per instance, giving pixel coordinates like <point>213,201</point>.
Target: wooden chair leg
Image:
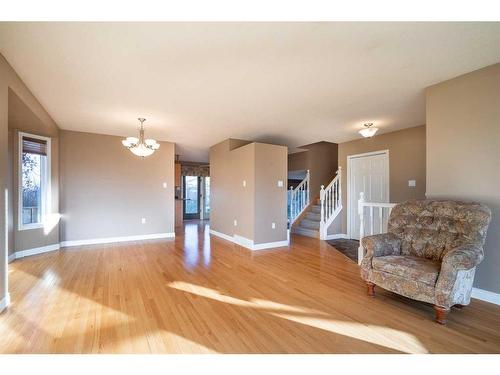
<point>371,289</point>
<point>441,314</point>
<point>460,307</point>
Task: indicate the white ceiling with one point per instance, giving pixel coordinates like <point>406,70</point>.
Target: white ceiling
<point>199,83</point>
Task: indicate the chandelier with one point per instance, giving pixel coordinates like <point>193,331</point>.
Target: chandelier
<point>140,146</point>
<point>368,131</point>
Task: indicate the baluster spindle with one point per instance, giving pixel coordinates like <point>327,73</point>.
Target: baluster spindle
<point>380,218</point>
<point>371,220</point>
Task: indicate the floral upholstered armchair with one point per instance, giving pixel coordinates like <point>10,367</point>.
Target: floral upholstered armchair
<point>430,252</point>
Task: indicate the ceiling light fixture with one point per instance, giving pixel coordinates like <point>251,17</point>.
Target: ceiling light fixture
<point>368,131</point>
<point>140,146</point>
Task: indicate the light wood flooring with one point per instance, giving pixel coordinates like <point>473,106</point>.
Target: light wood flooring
<point>199,294</point>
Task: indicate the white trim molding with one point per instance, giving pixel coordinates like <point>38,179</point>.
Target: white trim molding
<point>221,235</point>
<point>35,251</point>
<point>11,257</point>
<point>336,236</point>
<point>46,181</point>
<point>249,244</point>
<point>97,241</point>
<point>485,295</point>
<point>4,302</point>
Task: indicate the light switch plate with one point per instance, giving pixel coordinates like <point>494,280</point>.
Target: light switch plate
<point>280,183</point>
<point>273,225</point>
<point>164,185</point>
<point>412,183</point>
<point>235,222</point>
<point>143,220</point>
<point>244,183</point>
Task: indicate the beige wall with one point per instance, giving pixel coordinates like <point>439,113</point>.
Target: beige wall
<point>406,162</point>
<point>11,83</point>
<point>106,190</point>
<point>271,200</point>
<point>463,152</point>
<point>259,203</point>
<point>321,159</point>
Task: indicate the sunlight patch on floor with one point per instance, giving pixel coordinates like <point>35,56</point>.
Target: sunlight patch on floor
<point>374,334</point>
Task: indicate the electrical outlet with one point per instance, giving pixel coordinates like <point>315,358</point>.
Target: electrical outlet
<point>143,220</point>
<point>412,183</point>
<point>273,225</point>
<point>235,222</point>
<point>280,183</point>
<point>164,185</point>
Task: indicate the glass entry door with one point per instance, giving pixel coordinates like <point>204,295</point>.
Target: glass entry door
<point>191,199</point>
<point>206,198</point>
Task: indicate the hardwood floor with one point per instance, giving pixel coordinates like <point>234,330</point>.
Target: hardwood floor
<point>198,294</point>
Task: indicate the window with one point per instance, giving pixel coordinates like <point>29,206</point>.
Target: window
<point>34,180</point>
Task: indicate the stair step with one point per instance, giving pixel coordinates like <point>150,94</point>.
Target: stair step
<point>309,224</point>
<point>306,232</point>
<point>313,216</point>
<point>315,209</point>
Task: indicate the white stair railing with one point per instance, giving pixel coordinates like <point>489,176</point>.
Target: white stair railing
<point>298,199</point>
<point>331,203</point>
<point>373,219</point>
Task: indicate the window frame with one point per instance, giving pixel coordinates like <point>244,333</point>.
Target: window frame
<point>45,183</point>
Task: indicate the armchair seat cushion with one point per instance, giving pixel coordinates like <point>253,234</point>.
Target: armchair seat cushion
<point>410,267</point>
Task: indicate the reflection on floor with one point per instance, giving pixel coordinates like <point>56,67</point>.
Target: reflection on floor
<point>202,294</point>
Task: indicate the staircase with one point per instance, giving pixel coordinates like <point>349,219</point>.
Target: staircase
<point>313,220</point>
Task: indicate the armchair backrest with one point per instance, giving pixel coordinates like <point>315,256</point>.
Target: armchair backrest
<point>430,228</point>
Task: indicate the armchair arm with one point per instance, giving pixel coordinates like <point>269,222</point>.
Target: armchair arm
<point>461,258</point>
<point>381,244</point>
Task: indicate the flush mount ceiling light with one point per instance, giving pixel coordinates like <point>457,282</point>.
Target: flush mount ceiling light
<point>140,146</point>
<point>368,131</point>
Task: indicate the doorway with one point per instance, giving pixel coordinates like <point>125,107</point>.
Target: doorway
<point>196,197</point>
<point>367,173</point>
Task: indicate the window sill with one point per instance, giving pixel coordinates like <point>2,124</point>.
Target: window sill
<point>30,226</point>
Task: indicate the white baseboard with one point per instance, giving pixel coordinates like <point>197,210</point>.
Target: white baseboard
<point>35,251</point>
<point>270,245</point>
<point>11,257</point>
<point>247,243</point>
<point>221,235</point>
<point>336,236</point>
<point>485,295</point>
<point>4,302</point>
<point>97,241</point>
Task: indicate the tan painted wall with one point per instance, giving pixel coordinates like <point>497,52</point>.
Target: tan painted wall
<point>221,192</point>
<point>260,202</point>
<point>463,152</point>
<point>321,159</point>
<point>106,190</point>
<point>406,162</point>
<point>242,197</point>
<point>10,82</point>
<point>271,200</point>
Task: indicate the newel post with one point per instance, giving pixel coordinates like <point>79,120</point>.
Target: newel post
<point>308,196</point>
<point>361,200</point>
<point>322,204</point>
<point>339,172</point>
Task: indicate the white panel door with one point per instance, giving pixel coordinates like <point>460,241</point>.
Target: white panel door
<point>368,174</point>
